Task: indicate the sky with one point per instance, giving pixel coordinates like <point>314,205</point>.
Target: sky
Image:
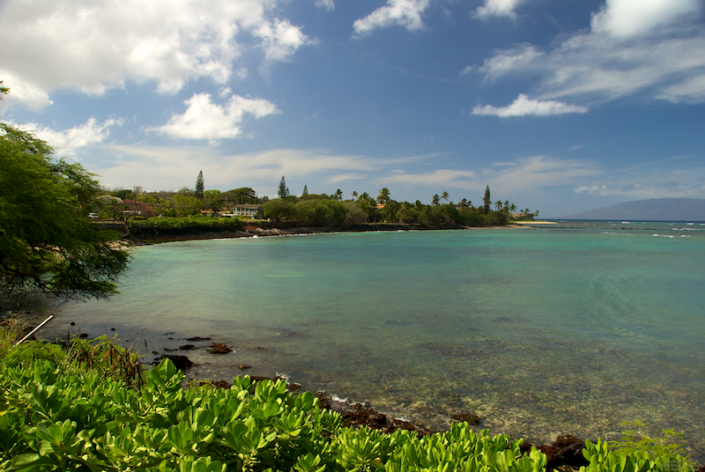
<point>559,106</point>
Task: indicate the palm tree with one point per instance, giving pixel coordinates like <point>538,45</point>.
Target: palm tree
<point>383,196</point>
<point>364,196</point>
<point>444,196</point>
<point>498,204</point>
<point>464,202</point>
<point>354,195</point>
<point>512,207</point>
<point>436,200</point>
<point>536,213</point>
<point>506,205</point>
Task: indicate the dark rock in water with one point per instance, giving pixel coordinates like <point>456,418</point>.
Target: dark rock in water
<point>263,349</point>
<point>467,417</point>
<point>187,347</point>
<point>180,362</point>
<point>83,335</point>
<point>166,349</point>
<point>323,400</point>
<point>197,338</point>
<point>294,387</point>
<point>380,419</point>
<point>407,426</point>
<point>219,348</point>
<point>170,338</point>
<point>155,352</point>
<point>243,366</point>
<point>570,451</point>
<point>112,329</point>
<point>72,323</point>
<point>565,452</point>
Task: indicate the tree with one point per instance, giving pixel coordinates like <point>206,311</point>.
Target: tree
<point>198,191</point>
<point>305,190</point>
<point>435,200</point>
<point>498,205</point>
<point>3,90</point>
<point>487,200</point>
<point>383,196</point>
<point>339,195</point>
<point>444,196</point>
<point>47,244</point>
<point>283,189</point>
<point>354,194</point>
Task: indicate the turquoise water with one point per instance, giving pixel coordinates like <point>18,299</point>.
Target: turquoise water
<point>571,328</point>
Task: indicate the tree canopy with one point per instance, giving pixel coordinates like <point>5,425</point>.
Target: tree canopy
<point>198,191</point>
<point>47,243</point>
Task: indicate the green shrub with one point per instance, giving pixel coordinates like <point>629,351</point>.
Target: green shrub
<point>165,223</point>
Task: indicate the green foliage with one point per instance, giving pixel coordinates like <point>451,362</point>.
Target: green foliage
<point>487,200</point>
<point>283,191</point>
<point>186,222</point>
<point>602,459</point>
<point>47,243</point>
<point>634,440</point>
<point>198,191</point>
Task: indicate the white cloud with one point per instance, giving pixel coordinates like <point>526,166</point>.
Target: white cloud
<point>624,18</point>
<point>689,91</point>
<point>343,177</point>
<point>281,39</point>
<point>325,4</point>
<point>529,173</point>
<point>66,143</point>
<point>602,67</point>
<point>523,106</point>
<point>95,45</point>
<point>204,119</point>
<point>406,13</point>
<point>497,8</point>
<point>649,181</point>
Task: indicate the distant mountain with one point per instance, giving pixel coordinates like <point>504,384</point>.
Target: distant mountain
<point>658,209</point>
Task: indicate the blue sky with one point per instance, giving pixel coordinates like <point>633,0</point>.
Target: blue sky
<point>560,106</point>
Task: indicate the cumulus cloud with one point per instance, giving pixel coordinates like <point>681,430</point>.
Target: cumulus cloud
<point>66,143</point>
<point>497,8</point>
<point>601,67</point>
<point>406,13</point>
<point>281,39</point>
<point>204,119</point>
<point>523,106</point>
<point>97,45</point>
<point>325,4</point>
<point>625,18</point>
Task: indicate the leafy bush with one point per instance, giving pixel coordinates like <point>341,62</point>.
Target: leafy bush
<point>186,222</point>
<point>602,459</point>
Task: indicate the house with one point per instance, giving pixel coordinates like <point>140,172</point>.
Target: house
<point>247,211</point>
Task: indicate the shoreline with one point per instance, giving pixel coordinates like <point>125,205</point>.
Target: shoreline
<point>143,237</point>
<point>562,450</point>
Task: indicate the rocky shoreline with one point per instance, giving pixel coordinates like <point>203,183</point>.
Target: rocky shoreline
<point>564,454</point>
<point>145,236</point>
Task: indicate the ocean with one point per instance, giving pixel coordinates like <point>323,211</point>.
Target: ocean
<point>570,328</point>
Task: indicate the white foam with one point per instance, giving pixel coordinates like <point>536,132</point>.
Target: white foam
<point>336,398</point>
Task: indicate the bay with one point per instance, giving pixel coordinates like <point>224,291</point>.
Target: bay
<point>568,328</point>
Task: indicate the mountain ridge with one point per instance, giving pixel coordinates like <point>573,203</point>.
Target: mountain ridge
<point>656,209</point>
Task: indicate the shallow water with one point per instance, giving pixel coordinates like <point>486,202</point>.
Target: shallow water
<point>572,328</point>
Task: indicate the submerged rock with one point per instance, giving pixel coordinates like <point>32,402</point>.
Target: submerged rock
<point>197,338</point>
<point>467,417</point>
<point>180,362</point>
<point>219,348</point>
<point>187,347</point>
